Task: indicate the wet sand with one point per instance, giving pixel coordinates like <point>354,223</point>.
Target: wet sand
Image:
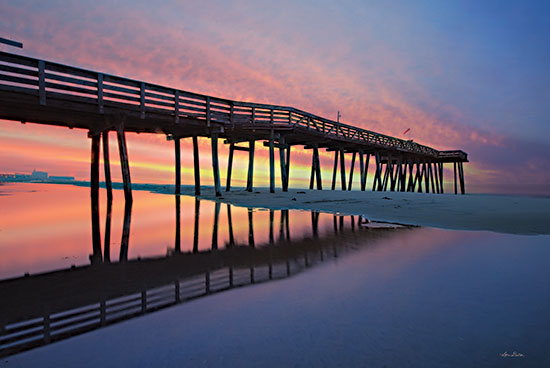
<point>498,213</point>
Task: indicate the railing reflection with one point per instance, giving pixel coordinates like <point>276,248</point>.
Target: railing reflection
<point>43,308</point>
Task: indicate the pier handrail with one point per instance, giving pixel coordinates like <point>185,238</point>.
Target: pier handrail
<point>47,79</point>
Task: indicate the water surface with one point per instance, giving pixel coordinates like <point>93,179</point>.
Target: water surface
<point>417,297</point>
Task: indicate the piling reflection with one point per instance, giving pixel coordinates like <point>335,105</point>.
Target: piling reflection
<point>79,299</point>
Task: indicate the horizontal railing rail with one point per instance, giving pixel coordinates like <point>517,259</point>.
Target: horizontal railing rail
<point>47,79</point>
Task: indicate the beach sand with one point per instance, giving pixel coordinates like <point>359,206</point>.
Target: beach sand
<point>498,213</point>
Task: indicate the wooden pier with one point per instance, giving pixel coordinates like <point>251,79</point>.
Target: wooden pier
<point>44,92</point>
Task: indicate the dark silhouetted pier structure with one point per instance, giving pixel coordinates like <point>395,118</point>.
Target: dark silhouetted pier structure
<point>43,92</point>
<point>44,308</point>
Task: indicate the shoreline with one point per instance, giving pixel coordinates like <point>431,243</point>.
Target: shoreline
<point>477,212</point>
<point>510,214</point>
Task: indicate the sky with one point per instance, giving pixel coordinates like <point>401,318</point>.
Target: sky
<point>470,75</point>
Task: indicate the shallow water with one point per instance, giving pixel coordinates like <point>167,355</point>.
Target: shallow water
<point>354,296</point>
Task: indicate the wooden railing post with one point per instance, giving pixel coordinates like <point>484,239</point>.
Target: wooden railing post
<point>42,82</point>
<point>231,114</point>
<point>208,111</point>
<point>100,92</point>
<point>142,99</point>
<point>177,106</point>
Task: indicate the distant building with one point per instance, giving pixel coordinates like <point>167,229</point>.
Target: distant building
<point>61,178</point>
<point>39,175</point>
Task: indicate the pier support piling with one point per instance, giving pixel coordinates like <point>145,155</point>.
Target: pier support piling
<point>461,176</point>
<point>282,162</point>
<point>229,166</point>
<point>250,176</point>
<point>216,165</point>
<point>271,163</point>
<point>343,169</point>
<point>441,176</point>
<point>456,186</point>
<point>317,167</point>
<point>177,150</point>
<point>124,165</point>
<point>351,170</point>
<point>107,164</point>
<point>177,241</point>
<point>196,166</point>
<point>335,168</point>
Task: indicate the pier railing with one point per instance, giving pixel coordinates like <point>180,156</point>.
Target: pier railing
<point>46,79</point>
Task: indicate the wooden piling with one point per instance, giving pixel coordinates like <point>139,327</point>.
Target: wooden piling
<point>124,165</point>
<point>343,169</point>
<point>312,175</point>
<point>376,183</point>
<point>365,173</point>
<point>287,165</point>
<point>403,170</point>
<point>436,177</point>
<point>351,170</point>
<point>456,189</point>
<point>334,170</point>
<point>177,150</point>
<point>461,172</point>
<point>426,176</point>
<point>317,167</point>
<point>250,177</point>
<point>282,163</point>
<point>386,175</point>
<point>229,167</point>
<point>177,241</point>
<point>441,176</point>
<point>271,163</point>
<point>196,166</point>
<point>410,185</point>
<point>418,179</point>
<point>215,164</point>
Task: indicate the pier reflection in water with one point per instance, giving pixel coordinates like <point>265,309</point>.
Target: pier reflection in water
<point>245,247</point>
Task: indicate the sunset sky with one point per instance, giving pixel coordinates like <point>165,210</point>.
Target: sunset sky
<point>470,75</point>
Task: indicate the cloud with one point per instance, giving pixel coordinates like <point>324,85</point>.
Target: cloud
<point>316,58</point>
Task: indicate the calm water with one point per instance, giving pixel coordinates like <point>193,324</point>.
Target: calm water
<point>315,290</point>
